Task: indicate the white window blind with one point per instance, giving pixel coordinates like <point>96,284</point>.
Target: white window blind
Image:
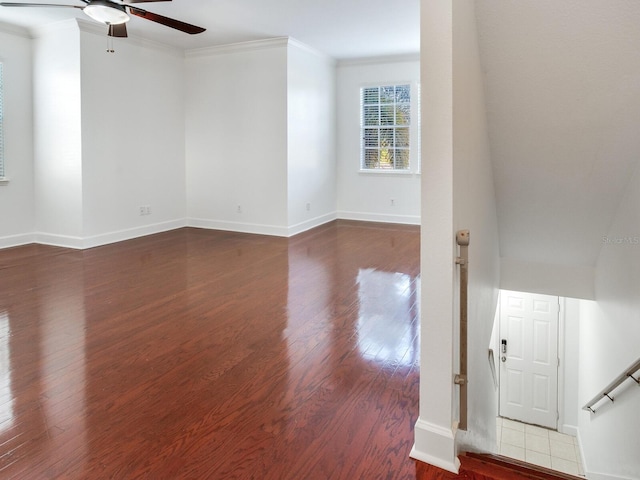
<point>1,126</point>
<point>385,127</point>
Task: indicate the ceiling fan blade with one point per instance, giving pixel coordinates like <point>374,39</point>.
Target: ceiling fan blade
<point>15,4</point>
<point>143,1</point>
<point>169,22</point>
<point>118,30</point>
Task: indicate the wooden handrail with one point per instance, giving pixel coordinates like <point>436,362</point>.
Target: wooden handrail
<point>462,239</point>
<point>607,392</point>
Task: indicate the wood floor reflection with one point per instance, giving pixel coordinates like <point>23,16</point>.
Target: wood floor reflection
<point>202,354</point>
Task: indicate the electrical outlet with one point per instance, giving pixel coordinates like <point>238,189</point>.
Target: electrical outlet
<point>308,207</point>
<point>148,209</point>
<point>142,210</point>
<point>392,202</point>
<point>239,209</point>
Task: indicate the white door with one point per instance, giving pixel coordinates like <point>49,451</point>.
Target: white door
<point>529,358</point>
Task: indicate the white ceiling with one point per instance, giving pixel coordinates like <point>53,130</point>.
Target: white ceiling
<point>341,29</point>
<point>563,106</point>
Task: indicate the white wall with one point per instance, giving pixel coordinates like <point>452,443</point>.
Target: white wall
<point>236,137</point>
<point>457,193</point>
<point>569,343</point>
<point>109,137</point>
<point>475,210</point>
<point>311,138</point>
<point>132,138</point>
<point>609,333</point>
<point>58,134</point>
<point>241,137</point>
<point>17,208</point>
<point>565,280</point>
<point>435,430</point>
<point>366,196</point>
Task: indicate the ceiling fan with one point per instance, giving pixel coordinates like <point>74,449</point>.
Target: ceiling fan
<point>115,15</point>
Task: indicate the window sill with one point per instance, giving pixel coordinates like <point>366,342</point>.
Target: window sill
<point>4,181</point>
<point>389,172</point>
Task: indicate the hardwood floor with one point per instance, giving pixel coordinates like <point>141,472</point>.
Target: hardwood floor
<point>201,354</point>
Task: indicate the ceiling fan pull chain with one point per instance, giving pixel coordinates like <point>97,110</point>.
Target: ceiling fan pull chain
<point>110,45</point>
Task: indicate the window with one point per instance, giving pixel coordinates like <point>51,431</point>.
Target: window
<point>1,130</point>
<point>386,129</point>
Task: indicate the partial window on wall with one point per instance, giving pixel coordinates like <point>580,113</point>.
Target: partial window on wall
<point>2,173</point>
<point>389,139</point>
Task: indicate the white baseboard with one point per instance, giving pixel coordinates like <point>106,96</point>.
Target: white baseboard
<point>261,229</point>
<point>81,243</point>
<point>129,233</point>
<point>605,476</point>
<point>17,240</point>
<point>569,430</point>
<point>436,446</point>
<point>312,223</point>
<point>238,227</point>
<point>381,218</point>
<point>65,241</point>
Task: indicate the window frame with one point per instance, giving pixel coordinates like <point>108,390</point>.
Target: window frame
<point>414,129</point>
<point>3,174</point>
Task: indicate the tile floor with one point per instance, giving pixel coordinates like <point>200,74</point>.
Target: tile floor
<point>539,446</point>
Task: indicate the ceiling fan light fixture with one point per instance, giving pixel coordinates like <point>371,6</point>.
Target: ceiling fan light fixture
<point>107,12</point>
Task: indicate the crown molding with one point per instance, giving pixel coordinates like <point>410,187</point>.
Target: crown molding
<point>292,42</point>
<point>16,30</point>
<point>408,57</point>
<point>265,44</point>
<point>253,45</point>
<point>48,28</point>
